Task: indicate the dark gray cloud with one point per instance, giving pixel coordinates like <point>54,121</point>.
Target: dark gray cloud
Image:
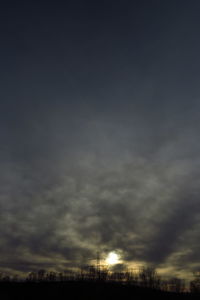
<point>141,206</point>
<point>100,137</point>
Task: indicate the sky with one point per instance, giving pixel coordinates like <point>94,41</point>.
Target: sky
<point>99,134</point>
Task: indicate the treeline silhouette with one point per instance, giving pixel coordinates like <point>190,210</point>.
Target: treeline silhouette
<point>97,283</point>
<point>145,277</point>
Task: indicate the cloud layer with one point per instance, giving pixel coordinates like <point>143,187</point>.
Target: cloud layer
<point>112,188</point>
<point>99,130</point>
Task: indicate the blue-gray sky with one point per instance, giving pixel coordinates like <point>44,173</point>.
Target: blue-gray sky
<point>99,131</point>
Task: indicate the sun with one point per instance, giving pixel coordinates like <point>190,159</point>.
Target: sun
<point>112,258</point>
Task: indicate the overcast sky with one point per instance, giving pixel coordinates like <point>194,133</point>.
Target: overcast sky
<point>99,131</point>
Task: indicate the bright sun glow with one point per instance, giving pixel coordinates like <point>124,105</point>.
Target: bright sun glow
<point>112,258</point>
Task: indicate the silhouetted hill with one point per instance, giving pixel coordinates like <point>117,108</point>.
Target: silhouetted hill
<point>83,290</point>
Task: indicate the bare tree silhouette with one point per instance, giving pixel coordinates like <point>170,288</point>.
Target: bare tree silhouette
<point>195,283</point>
<point>148,277</point>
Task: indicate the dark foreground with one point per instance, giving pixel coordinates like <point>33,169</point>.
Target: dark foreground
<point>83,290</point>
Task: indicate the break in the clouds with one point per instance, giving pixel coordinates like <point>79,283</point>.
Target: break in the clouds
<point>100,136</point>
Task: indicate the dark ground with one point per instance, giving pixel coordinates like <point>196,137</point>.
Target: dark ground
<point>83,290</point>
